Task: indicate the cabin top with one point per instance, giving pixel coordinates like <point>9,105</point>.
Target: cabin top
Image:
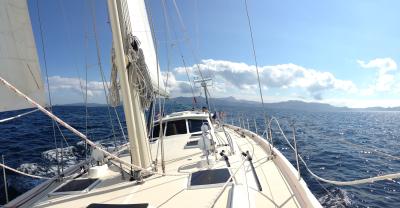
<point>185,115</point>
<point>184,122</point>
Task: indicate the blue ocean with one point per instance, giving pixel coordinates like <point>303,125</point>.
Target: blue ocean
<point>336,146</point>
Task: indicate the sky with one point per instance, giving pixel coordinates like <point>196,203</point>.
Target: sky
<point>341,52</point>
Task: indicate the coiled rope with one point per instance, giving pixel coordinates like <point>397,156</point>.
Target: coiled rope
<point>340,183</point>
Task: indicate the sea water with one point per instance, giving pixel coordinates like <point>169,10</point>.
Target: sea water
<point>324,139</point>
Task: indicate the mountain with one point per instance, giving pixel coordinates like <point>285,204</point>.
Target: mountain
<point>379,109</point>
<point>306,106</point>
<point>287,105</point>
<point>83,104</point>
<point>185,103</point>
<point>233,102</point>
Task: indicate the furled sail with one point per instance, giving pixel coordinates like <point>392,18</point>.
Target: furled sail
<point>136,24</point>
<point>18,57</point>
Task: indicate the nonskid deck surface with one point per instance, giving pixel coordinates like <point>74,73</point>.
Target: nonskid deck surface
<point>173,191</point>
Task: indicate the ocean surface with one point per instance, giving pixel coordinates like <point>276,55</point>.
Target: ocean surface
<point>336,146</point>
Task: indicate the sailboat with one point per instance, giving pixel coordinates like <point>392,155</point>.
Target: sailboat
<point>185,159</point>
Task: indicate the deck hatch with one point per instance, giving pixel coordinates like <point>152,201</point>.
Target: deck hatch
<point>118,205</point>
<point>209,178</point>
<point>76,186</point>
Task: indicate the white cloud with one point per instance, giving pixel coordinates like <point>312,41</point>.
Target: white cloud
<point>244,77</point>
<point>73,84</point>
<point>385,79</point>
<point>383,64</point>
<point>177,87</point>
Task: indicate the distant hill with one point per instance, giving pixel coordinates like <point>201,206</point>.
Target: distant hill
<point>183,103</point>
<point>83,104</point>
<point>379,109</point>
<point>233,102</point>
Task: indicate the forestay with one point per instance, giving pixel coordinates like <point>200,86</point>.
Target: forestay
<point>136,20</point>
<point>18,57</point>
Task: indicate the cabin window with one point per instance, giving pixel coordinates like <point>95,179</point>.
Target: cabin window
<point>176,127</point>
<point>195,125</point>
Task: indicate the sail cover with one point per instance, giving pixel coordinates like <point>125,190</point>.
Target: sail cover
<point>136,22</point>
<point>18,57</point>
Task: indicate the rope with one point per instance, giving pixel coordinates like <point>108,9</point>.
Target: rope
<point>340,183</point>
<point>75,131</point>
<point>17,116</point>
<point>352,182</point>
<point>22,173</point>
<point>138,73</point>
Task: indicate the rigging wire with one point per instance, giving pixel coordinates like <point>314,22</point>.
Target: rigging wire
<point>114,107</point>
<point>48,84</point>
<point>167,27</point>
<point>93,14</point>
<point>166,82</point>
<point>254,53</point>
<point>194,102</point>
<point>69,40</point>
<point>158,96</point>
<point>186,37</point>
<point>86,92</point>
<point>196,23</point>
<point>184,31</point>
<point>255,61</point>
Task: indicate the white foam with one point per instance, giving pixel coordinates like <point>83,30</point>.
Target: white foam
<point>335,198</point>
<point>66,155</point>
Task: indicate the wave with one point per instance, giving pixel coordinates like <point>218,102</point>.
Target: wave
<point>335,198</point>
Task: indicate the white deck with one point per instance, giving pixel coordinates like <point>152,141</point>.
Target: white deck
<point>280,188</point>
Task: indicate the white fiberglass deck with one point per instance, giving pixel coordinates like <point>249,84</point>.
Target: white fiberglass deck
<point>173,191</point>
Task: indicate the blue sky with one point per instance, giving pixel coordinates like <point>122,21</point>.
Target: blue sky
<point>342,52</point>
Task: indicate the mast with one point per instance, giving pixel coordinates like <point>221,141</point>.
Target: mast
<point>204,83</point>
<point>128,99</point>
